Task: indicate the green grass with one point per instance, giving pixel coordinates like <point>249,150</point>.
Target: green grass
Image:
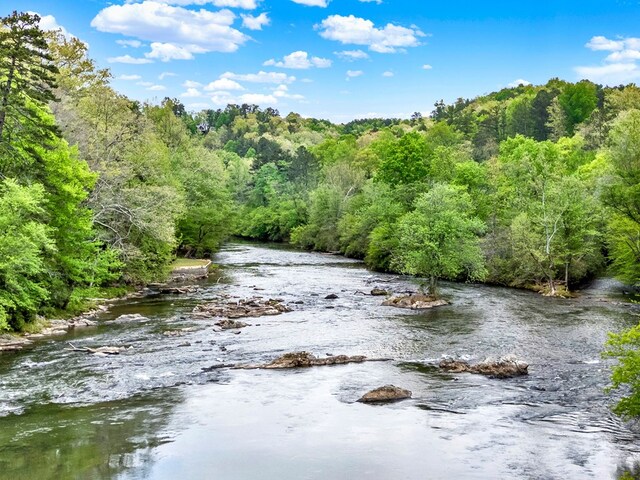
<point>188,262</point>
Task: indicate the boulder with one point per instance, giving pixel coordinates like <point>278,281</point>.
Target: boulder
<point>306,359</point>
<point>379,292</point>
<point>252,307</point>
<point>415,302</point>
<point>229,324</point>
<point>505,367</point>
<point>331,296</point>
<point>388,393</point>
<point>134,317</point>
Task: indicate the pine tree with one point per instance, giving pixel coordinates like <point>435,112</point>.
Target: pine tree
<point>26,78</point>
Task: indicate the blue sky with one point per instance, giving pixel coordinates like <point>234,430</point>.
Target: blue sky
<point>345,59</point>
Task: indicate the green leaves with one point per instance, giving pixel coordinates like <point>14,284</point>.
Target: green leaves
<point>625,347</point>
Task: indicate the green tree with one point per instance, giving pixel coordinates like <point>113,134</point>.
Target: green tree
<point>26,73</point>
<point>24,245</point>
<point>625,347</point>
<point>439,239</point>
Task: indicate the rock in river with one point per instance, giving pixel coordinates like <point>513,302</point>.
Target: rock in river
<point>505,367</point>
<point>415,302</point>
<point>252,307</point>
<point>388,393</point>
<point>305,359</point>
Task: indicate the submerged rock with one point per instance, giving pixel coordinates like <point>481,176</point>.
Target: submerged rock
<point>134,317</point>
<point>306,359</point>
<point>331,296</point>
<point>252,307</point>
<point>388,393</point>
<point>9,343</point>
<point>228,324</point>
<point>379,292</point>
<point>415,302</point>
<point>505,367</point>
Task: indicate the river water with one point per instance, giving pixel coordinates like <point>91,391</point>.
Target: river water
<point>153,412</point>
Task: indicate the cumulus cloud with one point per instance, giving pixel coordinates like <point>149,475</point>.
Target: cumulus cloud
<point>426,66</point>
<point>518,82</point>
<point>164,75</point>
<point>388,74</point>
<point>49,22</point>
<point>255,23</point>
<point>282,91</point>
<point>260,77</point>
<point>130,43</point>
<point>191,84</point>
<point>225,98</point>
<point>192,93</point>
<point>359,31</point>
<point>299,60</point>
<point>371,1</point>
<point>312,3</point>
<point>128,77</point>
<point>129,59</point>
<point>352,55</point>
<point>157,88</point>
<point>245,4</point>
<point>176,33</point>
<point>223,84</point>
<point>619,66</point>
<point>354,73</point>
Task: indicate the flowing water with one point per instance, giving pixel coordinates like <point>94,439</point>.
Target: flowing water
<point>153,412</point>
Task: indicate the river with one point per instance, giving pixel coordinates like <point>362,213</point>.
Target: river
<point>154,413</point>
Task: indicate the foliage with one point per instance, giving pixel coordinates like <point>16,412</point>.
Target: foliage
<point>625,347</point>
<point>440,238</point>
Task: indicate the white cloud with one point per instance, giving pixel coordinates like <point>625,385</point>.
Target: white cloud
<point>130,43</point>
<point>258,99</point>
<point>352,55</point>
<point>223,84</point>
<point>621,64</point>
<point>255,23</point>
<point>518,82</point>
<point>164,75</point>
<point>426,66</point>
<point>198,106</point>
<point>49,22</point>
<point>260,77</point>
<point>359,31</point>
<point>612,74</point>
<point>157,88</point>
<point>299,60</point>
<point>222,98</point>
<point>312,3</point>
<point>379,2</point>
<point>191,93</point>
<point>388,74</point>
<point>145,84</point>
<point>245,4</point>
<point>282,91</point>
<point>624,56</point>
<point>354,73</point>
<point>168,51</point>
<point>129,59</point>
<point>602,43</point>
<point>128,77</point>
<point>175,32</point>
<point>191,84</point>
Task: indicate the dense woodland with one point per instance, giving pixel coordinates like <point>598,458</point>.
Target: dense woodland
<point>534,186</point>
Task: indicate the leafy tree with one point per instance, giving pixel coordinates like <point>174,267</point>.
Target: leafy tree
<point>439,239</point>
<point>26,76</point>
<point>24,245</point>
<point>407,162</point>
<point>625,347</point>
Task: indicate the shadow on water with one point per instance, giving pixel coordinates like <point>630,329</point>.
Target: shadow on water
<point>99,441</point>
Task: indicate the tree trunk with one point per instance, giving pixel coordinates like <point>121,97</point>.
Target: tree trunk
<point>5,95</point>
<point>433,286</point>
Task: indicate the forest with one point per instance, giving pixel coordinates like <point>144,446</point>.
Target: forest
<point>532,187</point>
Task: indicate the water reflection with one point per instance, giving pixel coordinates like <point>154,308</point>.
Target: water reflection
<point>100,441</point>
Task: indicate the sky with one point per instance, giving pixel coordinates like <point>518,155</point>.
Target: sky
<point>346,59</point>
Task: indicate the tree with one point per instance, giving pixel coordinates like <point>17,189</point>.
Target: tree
<point>407,161</point>
<point>625,347</point>
<point>439,239</point>
<point>24,245</point>
<point>26,71</point>
<point>622,195</point>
